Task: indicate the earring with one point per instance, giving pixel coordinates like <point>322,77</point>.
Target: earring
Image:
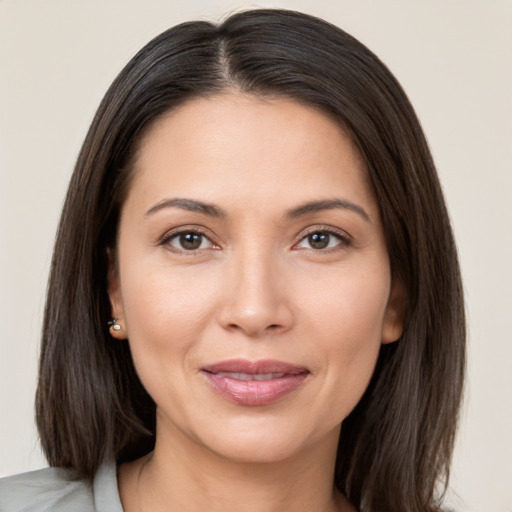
<point>114,325</point>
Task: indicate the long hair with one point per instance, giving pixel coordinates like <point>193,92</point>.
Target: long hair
<point>395,446</point>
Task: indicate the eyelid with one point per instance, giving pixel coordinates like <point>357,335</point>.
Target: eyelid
<point>177,231</point>
<point>342,235</point>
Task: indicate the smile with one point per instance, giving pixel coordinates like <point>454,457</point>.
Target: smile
<point>249,376</point>
<point>254,383</point>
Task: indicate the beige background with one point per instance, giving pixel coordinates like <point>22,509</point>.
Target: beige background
<point>454,59</point>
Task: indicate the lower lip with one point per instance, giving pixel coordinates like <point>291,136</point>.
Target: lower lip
<point>254,392</point>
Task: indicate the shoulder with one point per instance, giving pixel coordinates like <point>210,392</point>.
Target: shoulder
<point>46,489</point>
<point>58,490</point>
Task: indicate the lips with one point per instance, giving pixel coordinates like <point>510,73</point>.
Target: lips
<point>254,383</point>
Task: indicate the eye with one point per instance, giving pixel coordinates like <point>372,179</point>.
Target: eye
<point>322,239</point>
<point>188,241</point>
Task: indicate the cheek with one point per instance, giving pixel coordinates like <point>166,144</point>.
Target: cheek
<point>345,323</point>
<point>347,305</point>
<point>166,310</point>
<point>164,300</point>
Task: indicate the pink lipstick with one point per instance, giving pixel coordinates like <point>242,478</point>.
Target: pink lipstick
<point>254,383</point>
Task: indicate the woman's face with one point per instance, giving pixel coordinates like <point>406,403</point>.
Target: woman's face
<point>253,280</point>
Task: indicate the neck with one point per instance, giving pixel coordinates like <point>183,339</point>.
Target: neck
<point>183,475</point>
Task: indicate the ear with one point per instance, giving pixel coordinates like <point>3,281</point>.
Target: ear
<point>394,316</point>
<point>114,294</point>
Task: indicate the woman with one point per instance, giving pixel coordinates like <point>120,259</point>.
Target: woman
<point>255,300</point>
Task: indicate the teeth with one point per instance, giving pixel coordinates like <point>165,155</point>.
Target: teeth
<point>251,376</point>
<point>268,376</point>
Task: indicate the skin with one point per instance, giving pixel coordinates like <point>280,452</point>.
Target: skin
<point>255,289</point>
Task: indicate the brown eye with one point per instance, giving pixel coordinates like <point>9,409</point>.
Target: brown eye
<point>319,240</point>
<point>189,241</point>
<point>323,239</point>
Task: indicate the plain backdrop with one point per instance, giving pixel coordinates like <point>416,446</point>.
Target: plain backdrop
<point>454,59</point>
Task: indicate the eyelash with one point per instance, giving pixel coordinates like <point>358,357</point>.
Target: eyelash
<point>343,238</point>
<point>168,237</point>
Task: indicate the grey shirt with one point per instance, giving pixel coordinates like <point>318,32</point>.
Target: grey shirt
<point>55,490</point>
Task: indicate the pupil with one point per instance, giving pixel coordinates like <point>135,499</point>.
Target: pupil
<point>319,240</point>
<point>190,241</point>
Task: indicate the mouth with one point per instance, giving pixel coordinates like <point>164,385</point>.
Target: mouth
<point>254,383</point>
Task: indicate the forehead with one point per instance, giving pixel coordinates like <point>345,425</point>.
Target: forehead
<point>274,147</point>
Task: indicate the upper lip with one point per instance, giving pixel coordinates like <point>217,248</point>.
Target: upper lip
<point>260,367</point>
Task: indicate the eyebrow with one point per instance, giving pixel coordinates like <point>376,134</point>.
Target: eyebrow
<point>327,204</point>
<point>211,210</point>
<point>190,205</point>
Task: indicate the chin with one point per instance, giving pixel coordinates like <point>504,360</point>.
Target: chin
<point>265,441</point>
<point>256,449</point>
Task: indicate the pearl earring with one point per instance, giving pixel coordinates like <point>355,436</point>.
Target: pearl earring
<point>114,325</point>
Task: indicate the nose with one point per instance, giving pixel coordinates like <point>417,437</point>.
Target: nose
<point>256,301</point>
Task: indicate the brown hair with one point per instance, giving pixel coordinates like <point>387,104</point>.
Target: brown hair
<point>395,446</point>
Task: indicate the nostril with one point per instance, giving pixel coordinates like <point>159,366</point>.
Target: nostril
<point>255,317</point>
<point>252,330</point>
